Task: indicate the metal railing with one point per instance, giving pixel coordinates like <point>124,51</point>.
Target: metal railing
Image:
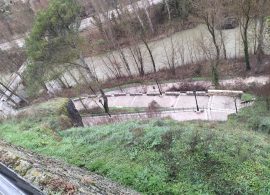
<point>155,111</point>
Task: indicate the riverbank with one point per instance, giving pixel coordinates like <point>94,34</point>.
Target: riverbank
<point>232,75</point>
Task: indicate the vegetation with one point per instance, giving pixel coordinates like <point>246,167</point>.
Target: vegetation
<point>52,116</point>
<point>152,156</point>
<point>54,45</point>
<point>247,97</point>
<point>161,156</point>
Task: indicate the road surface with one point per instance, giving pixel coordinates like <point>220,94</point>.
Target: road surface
<point>7,188</point>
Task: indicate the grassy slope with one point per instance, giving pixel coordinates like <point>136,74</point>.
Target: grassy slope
<point>162,157</point>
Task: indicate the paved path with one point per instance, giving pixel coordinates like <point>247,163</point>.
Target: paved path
<point>179,107</point>
<point>7,188</point>
<point>249,81</point>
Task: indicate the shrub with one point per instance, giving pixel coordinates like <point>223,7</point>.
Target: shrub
<point>188,87</point>
<point>264,125</point>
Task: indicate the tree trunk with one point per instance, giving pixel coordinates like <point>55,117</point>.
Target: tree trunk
<point>168,9</point>
<point>146,5</point>
<point>94,79</point>
<point>124,60</point>
<point>244,35</point>
<point>137,61</point>
<point>215,77</point>
<point>260,51</point>
<point>223,44</point>
<point>246,52</point>
<point>105,102</point>
<point>135,10</point>
<point>151,54</point>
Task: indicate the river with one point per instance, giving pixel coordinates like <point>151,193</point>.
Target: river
<point>188,45</point>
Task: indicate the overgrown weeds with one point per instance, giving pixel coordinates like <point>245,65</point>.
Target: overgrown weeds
<point>162,156</point>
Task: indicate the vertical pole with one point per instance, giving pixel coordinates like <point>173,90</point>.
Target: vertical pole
<point>235,104</point>
<point>195,95</point>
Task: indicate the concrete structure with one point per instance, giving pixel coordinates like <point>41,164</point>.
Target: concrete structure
<point>13,184</point>
<point>178,106</point>
<point>7,188</point>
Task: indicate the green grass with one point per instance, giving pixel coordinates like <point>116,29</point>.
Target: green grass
<point>162,156</point>
<point>247,97</point>
<point>113,110</point>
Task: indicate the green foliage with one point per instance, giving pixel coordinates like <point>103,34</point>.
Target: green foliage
<point>247,97</point>
<point>51,42</point>
<point>51,115</point>
<point>256,118</point>
<point>161,157</point>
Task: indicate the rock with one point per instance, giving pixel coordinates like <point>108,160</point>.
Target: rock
<point>88,180</point>
<point>23,167</point>
<point>74,115</point>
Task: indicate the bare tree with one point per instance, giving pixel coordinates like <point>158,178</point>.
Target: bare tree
<point>245,12</point>
<point>263,10</point>
<point>146,7</point>
<point>137,56</point>
<point>166,2</point>
<point>171,56</point>
<point>209,12</point>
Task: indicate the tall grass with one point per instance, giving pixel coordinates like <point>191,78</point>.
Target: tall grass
<point>161,156</point>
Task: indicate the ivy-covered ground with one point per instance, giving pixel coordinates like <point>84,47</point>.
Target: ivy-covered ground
<point>158,156</point>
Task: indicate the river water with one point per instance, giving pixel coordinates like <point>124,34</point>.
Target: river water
<point>189,45</point>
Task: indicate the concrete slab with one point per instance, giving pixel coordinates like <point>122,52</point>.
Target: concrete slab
<point>220,115</point>
<point>223,103</point>
<point>188,116</point>
<point>166,101</point>
<point>189,102</point>
<point>121,101</point>
<point>143,101</point>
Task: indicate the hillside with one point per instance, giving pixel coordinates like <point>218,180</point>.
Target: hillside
<point>161,97</point>
<point>159,156</point>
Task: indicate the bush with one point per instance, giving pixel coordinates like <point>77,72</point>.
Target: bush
<point>246,97</point>
<point>188,87</point>
<point>264,125</point>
